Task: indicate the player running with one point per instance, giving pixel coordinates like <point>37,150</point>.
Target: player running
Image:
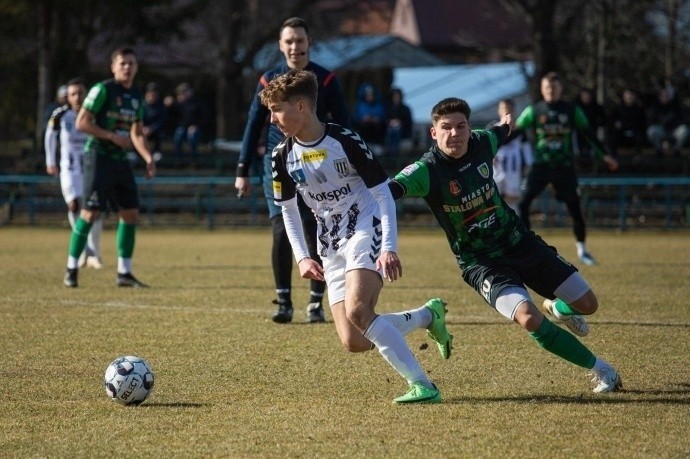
<point>346,187</point>
<point>497,255</point>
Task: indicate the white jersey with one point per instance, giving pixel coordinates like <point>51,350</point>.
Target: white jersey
<point>510,162</point>
<point>62,126</point>
<point>62,131</point>
<point>341,180</point>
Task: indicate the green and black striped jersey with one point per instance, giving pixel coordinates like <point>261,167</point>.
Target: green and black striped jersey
<point>553,126</point>
<point>116,109</point>
<point>463,197</point>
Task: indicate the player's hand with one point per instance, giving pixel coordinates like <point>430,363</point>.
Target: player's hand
<point>389,264</point>
<point>122,141</point>
<point>508,119</point>
<point>150,169</point>
<point>611,162</point>
<point>310,269</point>
<point>52,170</point>
<point>242,185</point>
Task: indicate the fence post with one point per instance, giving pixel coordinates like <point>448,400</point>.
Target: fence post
<point>621,208</point>
<point>211,205</point>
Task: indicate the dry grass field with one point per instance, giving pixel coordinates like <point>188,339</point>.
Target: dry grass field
<point>231,383</point>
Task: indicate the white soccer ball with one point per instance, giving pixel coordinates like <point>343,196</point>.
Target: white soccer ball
<point>128,380</point>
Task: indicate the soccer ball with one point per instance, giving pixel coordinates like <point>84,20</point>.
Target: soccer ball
<point>128,380</point>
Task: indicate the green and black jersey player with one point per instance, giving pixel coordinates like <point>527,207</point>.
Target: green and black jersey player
<point>553,122</point>
<point>112,116</point>
<point>497,255</point>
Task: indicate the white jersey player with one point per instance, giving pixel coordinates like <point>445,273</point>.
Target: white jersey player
<point>512,161</point>
<point>62,134</point>
<point>346,187</point>
<point>340,180</point>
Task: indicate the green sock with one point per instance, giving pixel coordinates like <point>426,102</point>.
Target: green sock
<point>564,308</point>
<point>125,239</point>
<point>564,344</point>
<point>77,241</point>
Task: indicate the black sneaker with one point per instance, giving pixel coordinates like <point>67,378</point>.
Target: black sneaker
<point>71,277</point>
<point>315,313</point>
<point>283,314</point>
<point>127,280</point>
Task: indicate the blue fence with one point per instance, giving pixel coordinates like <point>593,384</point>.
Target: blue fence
<point>215,194</point>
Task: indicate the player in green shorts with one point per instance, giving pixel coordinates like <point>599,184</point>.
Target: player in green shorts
<point>497,255</point>
<point>112,115</point>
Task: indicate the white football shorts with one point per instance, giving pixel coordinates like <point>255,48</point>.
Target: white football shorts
<point>72,186</point>
<point>357,253</point>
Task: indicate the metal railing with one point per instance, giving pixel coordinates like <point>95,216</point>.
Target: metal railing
<point>215,194</point>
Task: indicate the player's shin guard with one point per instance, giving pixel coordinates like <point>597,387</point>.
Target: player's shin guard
<point>79,236</point>
<point>563,344</point>
<point>125,239</point>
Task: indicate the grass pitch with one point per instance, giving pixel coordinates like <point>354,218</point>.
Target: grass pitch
<point>229,382</point>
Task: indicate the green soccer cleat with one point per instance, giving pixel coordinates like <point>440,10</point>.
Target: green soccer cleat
<point>419,393</point>
<point>437,329</point>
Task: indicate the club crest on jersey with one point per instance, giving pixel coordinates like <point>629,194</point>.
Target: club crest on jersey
<point>341,166</point>
<point>298,176</point>
<point>563,118</point>
<point>454,187</point>
<point>135,104</point>
<point>483,170</point>
<point>118,101</point>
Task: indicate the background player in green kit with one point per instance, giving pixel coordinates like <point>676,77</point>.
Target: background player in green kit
<point>112,115</point>
<point>553,123</point>
<point>497,255</point>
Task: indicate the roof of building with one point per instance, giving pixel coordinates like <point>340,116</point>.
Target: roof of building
<point>460,23</point>
<point>482,86</point>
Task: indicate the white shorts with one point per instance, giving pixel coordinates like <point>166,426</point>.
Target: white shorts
<point>72,186</point>
<point>359,252</point>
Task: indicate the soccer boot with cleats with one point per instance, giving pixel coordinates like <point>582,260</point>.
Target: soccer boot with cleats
<point>607,380</point>
<point>128,280</point>
<point>437,330</point>
<point>419,393</point>
<point>283,314</point>
<point>587,259</point>
<point>315,313</point>
<point>576,324</point>
<point>70,279</point>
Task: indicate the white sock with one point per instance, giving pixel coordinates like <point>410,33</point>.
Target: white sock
<point>124,265</point>
<point>581,248</point>
<point>394,349</point>
<point>408,321</point>
<point>93,242</point>
<point>72,262</point>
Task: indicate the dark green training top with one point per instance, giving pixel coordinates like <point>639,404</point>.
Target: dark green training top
<point>554,125</point>
<point>463,197</point>
<point>115,109</point>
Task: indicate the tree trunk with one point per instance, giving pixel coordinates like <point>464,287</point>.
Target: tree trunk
<point>44,72</point>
